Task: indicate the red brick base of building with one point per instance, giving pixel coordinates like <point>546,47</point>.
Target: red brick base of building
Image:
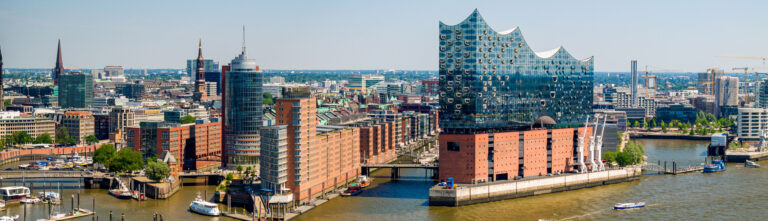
<point>472,158</point>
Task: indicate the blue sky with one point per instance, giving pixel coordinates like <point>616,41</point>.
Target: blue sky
<point>682,35</point>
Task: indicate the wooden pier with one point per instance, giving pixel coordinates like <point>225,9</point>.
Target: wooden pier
<point>78,213</point>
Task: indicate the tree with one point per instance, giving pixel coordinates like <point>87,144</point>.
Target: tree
<point>7,102</point>
<point>623,159</point>
<point>157,170</point>
<point>126,160</point>
<point>21,137</point>
<point>609,156</point>
<point>663,127</point>
<point>653,124</point>
<point>104,154</point>
<point>44,138</point>
<point>734,145</point>
<point>239,169</point>
<point>62,136</point>
<point>637,124</point>
<point>635,152</point>
<point>91,139</point>
<point>620,137</point>
<point>267,98</point>
<point>188,119</point>
<point>646,125</point>
<point>248,170</point>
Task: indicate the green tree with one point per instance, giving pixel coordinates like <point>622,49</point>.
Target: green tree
<point>653,124</point>
<point>663,127</point>
<point>22,137</point>
<point>620,138</point>
<point>44,138</point>
<point>734,145</point>
<point>646,125</point>
<point>267,98</point>
<point>635,152</point>
<point>104,154</point>
<point>7,102</point>
<point>62,136</point>
<point>248,170</point>
<point>239,169</point>
<point>609,156</point>
<point>91,139</point>
<point>623,159</point>
<point>637,124</point>
<point>126,160</point>
<point>188,119</point>
<point>157,170</point>
<point>230,177</point>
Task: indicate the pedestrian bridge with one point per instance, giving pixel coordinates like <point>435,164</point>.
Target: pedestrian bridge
<point>431,170</point>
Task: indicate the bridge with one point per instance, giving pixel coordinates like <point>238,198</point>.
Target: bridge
<point>673,169</point>
<point>431,170</point>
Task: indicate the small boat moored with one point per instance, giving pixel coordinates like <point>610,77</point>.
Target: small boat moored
<point>751,164</point>
<point>31,200</point>
<point>204,207</point>
<point>619,206</point>
<point>14,193</point>
<point>352,190</point>
<point>364,181</point>
<point>121,194</point>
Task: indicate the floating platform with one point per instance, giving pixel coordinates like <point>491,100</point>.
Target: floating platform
<point>79,213</point>
<point>468,194</point>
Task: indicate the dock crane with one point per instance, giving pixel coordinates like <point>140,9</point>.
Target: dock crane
<point>599,145</point>
<point>655,80</point>
<point>592,144</point>
<point>580,149</point>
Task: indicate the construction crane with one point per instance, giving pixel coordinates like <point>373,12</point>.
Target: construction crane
<point>745,57</point>
<point>746,75</point>
<point>655,80</point>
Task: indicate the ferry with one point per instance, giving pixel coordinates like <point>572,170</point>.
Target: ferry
<point>121,194</point>
<point>364,181</point>
<point>619,206</point>
<point>715,166</point>
<point>14,193</point>
<point>352,190</point>
<point>204,207</point>
<point>751,164</point>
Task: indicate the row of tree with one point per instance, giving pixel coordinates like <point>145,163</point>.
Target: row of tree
<point>62,137</point>
<point>127,160</point>
<point>704,124</point>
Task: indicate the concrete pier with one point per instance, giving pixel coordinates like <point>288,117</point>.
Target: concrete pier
<point>740,157</point>
<point>467,194</point>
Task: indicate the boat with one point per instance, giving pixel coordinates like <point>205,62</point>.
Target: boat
<point>2,204</point>
<point>751,164</point>
<point>619,206</point>
<point>138,195</point>
<point>9,218</point>
<point>120,193</point>
<point>14,193</point>
<point>203,207</point>
<point>715,166</point>
<point>364,181</point>
<point>31,200</point>
<point>52,197</point>
<point>352,190</point>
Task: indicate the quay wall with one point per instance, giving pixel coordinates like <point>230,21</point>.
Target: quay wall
<point>502,190</point>
<point>15,155</point>
<point>668,136</point>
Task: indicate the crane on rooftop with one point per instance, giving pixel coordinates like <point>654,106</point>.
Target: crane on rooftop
<point>655,79</point>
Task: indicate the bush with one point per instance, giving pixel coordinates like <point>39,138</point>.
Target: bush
<point>230,177</point>
<point>609,156</point>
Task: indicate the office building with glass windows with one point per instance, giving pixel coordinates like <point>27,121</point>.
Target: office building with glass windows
<point>75,90</point>
<point>506,110</point>
<point>242,112</point>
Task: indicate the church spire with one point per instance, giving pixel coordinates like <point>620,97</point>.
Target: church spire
<point>200,50</point>
<point>59,69</point>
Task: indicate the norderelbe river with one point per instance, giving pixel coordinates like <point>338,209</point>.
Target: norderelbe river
<point>737,194</point>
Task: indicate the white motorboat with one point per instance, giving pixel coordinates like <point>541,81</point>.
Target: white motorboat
<point>628,205</point>
<point>14,193</point>
<point>9,218</point>
<point>30,200</point>
<point>751,164</point>
<point>204,207</point>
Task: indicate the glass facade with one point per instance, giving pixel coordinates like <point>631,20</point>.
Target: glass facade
<point>493,81</point>
<point>243,111</point>
<point>75,90</point>
<point>210,66</point>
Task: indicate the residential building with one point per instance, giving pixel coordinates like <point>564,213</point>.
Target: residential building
<point>119,119</point>
<point>726,92</point>
<point>34,126</point>
<point>196,146</point>
<point>101,126</point>
<point>749,123</point>
<point>706,80</point>
<point>75,90</point>
<point>274,154</point>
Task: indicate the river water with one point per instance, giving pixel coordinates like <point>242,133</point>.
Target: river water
<point>737,194</point>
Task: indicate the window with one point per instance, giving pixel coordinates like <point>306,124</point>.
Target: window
<point>453,146</point>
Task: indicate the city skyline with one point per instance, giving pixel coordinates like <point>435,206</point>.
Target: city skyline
<point>397,35</point>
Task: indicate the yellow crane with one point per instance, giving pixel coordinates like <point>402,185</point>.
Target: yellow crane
<point>745,57</point>
<point>655,79</point>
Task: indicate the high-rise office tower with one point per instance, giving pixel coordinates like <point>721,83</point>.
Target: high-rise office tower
<point>242,112</point>
<point>2,101</point>
<point>726,92</point>
<point>199,93</point>
<point>633,84</point>
<point>59,69</point>
<point>505,110</point>
<point>75,90</point>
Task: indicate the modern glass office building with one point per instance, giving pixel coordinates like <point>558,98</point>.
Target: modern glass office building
<point>75,90</point>
<point>493,81</point>
<point>242,112</point>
